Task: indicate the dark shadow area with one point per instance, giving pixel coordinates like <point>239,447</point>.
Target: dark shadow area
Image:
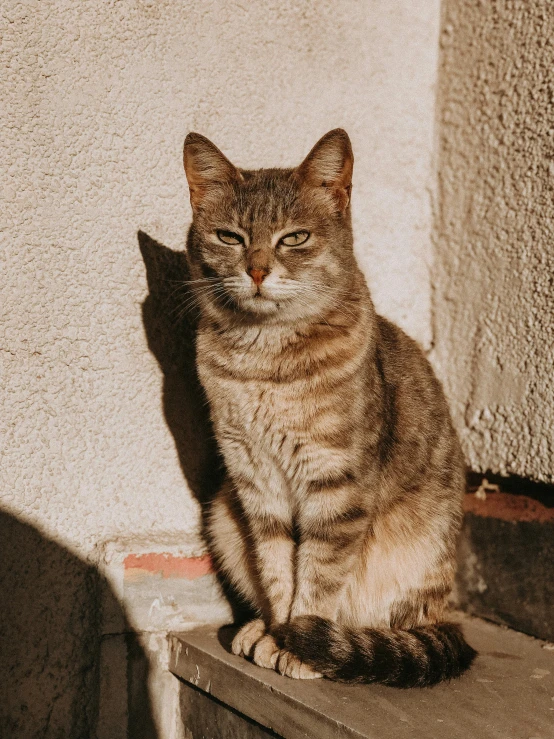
<point>506,573</point>
<point>506,553</point>
<point>51,643</point>
<point>225,636</point>
<point>542,492</point>
<point>169,318</point>
<point>170,321</point>
<point>203,715</point>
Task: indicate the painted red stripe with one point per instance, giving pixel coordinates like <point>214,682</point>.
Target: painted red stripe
<point>508,507</point>
<point>168,565</point>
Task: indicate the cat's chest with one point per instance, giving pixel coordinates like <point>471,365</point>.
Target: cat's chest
<point>245,387</point>
<point>255,408</point>
<point>274,430</point>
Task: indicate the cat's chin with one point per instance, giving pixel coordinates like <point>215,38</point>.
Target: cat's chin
<point>264,309</point>
<point>259,305</point>
<point>272,312</point>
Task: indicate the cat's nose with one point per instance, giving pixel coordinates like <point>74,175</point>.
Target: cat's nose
<point>258,274</point>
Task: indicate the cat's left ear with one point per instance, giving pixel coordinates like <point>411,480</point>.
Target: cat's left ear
<point>330,164</point>
<point>206,167</point>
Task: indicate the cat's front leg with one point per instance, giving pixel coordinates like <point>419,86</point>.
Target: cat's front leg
<point>270,529</point>
<point>333,522</point>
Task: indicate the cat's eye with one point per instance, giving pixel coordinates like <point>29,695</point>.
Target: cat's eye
<point>295,239</point>
<point>230,238</point>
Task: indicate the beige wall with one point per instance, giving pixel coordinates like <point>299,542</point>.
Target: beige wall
<point>97,101</point>
<point>494,288</point>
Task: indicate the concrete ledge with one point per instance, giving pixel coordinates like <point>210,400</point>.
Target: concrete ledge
<point>509,694</point>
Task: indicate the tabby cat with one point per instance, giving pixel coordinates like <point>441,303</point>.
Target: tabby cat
<point>339,515</point>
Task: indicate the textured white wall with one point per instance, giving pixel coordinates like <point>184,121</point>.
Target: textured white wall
<point>97,98</point>
<point>494,317</point>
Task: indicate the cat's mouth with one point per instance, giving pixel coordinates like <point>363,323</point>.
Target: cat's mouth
<point>261,300</point>
<point>259,303</point>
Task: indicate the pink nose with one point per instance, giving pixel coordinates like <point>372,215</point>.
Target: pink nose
<point>258,275</point>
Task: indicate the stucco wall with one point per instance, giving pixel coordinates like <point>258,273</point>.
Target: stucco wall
<point>96,99</point>
<point>494,276</point>
<point>96,102</point>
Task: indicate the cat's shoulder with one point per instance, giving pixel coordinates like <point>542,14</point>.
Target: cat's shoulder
<point>399,355</point>
<point>391,338</point>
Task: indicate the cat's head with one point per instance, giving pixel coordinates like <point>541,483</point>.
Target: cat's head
<point>271,244</point>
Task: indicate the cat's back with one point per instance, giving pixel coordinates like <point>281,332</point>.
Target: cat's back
<point>418,437</point>
<point>402,363</point>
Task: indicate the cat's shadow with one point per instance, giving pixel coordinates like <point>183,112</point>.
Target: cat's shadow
<point>170,320</point>
<point>169,317</point>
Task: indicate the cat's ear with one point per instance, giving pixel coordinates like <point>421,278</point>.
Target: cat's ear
<point>330,164</point>
<point>206,167</point>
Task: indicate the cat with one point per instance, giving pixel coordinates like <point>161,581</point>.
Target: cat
<point>339,514</point>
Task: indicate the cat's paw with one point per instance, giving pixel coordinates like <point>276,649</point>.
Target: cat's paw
<point>291,666</point>
<point>247,636</point>
<point>266,652</point>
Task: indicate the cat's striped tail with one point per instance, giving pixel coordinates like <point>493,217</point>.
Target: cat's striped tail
<point>424,655</point>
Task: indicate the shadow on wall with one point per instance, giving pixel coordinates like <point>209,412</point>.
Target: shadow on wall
<point>170,318</point>
<point>51,644</point>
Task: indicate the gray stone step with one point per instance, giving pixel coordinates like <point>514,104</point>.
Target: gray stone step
<point>508,694</point>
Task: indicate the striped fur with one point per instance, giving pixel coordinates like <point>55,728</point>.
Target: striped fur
<point>410,658</point>
<point>338,518</point>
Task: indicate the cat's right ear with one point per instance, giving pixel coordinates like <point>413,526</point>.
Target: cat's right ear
<point>206,167</point>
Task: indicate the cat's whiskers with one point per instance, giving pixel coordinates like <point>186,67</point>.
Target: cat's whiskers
<point>194,292</point>
<point>202,279</point>
<point>190,284</point>
<point>230,291</point>
<point>337,303</point>
<point>191,300</point>
<point>297,289</point>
